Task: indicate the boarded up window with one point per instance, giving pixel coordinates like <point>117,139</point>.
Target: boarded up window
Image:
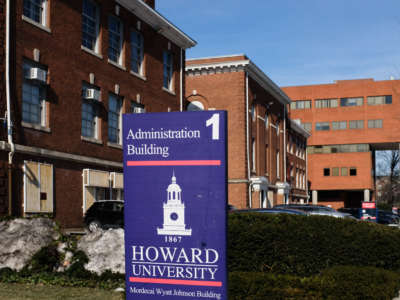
<point>38,187</point>
<point>117,180</point>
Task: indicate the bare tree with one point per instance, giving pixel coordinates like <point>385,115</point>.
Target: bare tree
<point>388,166</point>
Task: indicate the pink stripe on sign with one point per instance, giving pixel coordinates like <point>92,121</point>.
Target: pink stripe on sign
<point>132,163</point>
<point>175,281</point>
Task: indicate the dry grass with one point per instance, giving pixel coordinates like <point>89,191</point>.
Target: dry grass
<point>10,291</point>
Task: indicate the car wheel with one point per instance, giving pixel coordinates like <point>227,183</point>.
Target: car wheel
<point>94,226</point>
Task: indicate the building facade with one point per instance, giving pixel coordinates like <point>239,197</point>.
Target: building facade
<point>74,67</point>
<point>258,128</point>
<point>349,121</point>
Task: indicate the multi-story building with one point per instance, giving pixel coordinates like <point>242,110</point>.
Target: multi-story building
<point>258,129</point>
<point>349,121</point>
<point>71,69</point>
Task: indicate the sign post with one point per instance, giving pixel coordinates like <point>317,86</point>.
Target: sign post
<point>368,211</point>
<point>175,205</point>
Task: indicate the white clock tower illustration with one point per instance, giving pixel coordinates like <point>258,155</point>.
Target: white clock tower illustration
<point>174,212</point>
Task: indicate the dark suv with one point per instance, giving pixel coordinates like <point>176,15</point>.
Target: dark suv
<point>105,214</point>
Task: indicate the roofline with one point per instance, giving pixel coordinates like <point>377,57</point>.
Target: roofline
<point>217,56</point>
<point>254,72</point>
<point>299,128</point>
<point>158,22</point>
<point>258,75</point>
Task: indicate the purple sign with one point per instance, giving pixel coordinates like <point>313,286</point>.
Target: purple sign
<point>175,205</point>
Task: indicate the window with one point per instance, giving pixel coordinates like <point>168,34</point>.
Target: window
<point>356,124</point>
<point>117,194</point>
<point>90,25</point>
<point>167,70</point>
<point>89,114</point>
<point>253,112</point>
<point>136,52</point>
<point>101,185</point>
<point>327,172</point>
<point>195,106</point>
<point>378,100</point>
<point>277,164</point>
<point>344,171</point>
<point>322,126</point>
<point>339,125</point>
<point>338,148</point>
<point>358,101</point>
<point>38,187</point>
<point>300,104</point>
<point>36,11</point>
<point>375,123</point>
<point>137,108</point>
<point>353,171</point>
<point>326,103</point>
<point>335,171</point>
<point>114,119</point>
<point>34,95</point>
<point>115,39</point>
<point>253,157</point>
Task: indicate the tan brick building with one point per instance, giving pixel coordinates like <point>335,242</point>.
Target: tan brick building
<point>74,68</point>
<point>349,121</point>
<point>258,130</point>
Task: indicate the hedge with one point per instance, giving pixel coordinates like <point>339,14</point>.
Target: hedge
<point>306,245</point>
<point>344,282</point>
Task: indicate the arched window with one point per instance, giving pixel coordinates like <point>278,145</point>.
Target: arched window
<point>253,112</point>
<point>195,106</point>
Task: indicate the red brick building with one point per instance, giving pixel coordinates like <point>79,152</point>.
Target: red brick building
<point>349,121</point>
<point>73,68</point>
<point>258,130</point>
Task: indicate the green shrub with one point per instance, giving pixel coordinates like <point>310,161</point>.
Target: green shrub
<point>349,282</point>
<point>77,268</point>
<point>335,283</point>
<point>46,259</point>
<point>303,246</point>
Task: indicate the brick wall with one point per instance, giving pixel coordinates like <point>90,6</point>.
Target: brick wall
<point>68,67</point>
<point>226,90</point>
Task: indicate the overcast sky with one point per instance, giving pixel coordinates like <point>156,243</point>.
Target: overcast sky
<point>296,42</point>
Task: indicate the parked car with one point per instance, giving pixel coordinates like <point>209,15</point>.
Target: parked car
<point>355,212</point>
<point>231,208</point>
<point>388,218</point>
<point>272,211</point>
<point>105,214</point>
<point>311,209</point>
<point>374,215</point>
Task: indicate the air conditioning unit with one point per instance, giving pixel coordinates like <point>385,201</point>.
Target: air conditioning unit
<point>37,74</point>
<point>92,94</point>
<point>138,110</point>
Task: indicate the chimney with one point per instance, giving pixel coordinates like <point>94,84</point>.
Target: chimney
<point>150,3</point>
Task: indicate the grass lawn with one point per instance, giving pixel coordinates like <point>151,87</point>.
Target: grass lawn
<point>10,291</point>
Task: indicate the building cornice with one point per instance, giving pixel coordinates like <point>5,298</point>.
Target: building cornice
<point>216,68</point>
<point>299,129</point>
<point>60,155</point>
<point>239,65</point>
<point>158,22</point>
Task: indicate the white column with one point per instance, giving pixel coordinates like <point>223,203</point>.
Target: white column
<point>366,195</point>
<point>314,197</point>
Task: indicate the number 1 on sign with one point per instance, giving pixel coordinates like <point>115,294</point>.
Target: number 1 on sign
<point>214,122</point>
